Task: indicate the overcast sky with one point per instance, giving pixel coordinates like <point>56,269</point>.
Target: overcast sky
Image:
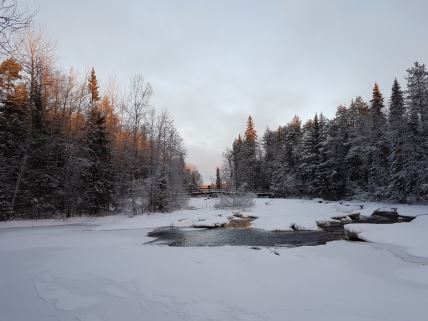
<point>212,63</point>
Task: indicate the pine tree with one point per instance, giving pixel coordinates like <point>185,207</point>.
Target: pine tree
<point>217,178</point>
<point>377,104</point>
<point>397,132</point>
<point>250,164</point>
<point>237,163</point>
<point>13,131</point>
<point>417,133</point>
<point>311,157</point>
<point>336,149</point>
<point>417,87</point>
<point>280,162</point>
<point>98,176</point>
<point>357,160</point>
<point>415,163</point>
<point>396,108</point>
<point>272,153</point>
<point>378,156</point>
<point>250,131</point>
<point>93,87</point>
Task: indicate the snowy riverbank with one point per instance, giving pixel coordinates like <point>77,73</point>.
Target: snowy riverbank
<point>91,269</point>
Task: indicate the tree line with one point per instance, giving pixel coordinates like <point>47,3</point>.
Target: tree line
<point>372,150</point>
<point>67,148</point>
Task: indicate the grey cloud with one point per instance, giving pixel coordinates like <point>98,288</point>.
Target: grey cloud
<point>212,63</point>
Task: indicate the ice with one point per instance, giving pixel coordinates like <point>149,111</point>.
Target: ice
<point>412,237</point>
<point>105,271</point>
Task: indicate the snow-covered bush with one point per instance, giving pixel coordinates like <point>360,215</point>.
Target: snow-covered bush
<point>235,200</point>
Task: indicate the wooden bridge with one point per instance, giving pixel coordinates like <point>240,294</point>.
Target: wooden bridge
<point>213,190</point>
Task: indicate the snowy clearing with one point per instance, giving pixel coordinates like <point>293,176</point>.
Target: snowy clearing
<point>272,214</point>
<point>99,269</point>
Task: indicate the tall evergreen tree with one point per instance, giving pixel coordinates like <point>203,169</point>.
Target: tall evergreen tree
<point>311,156</point>
<point>397,131</point>
<point>271,163</point>
<point>250,168</point>
<point>237,162</point>
<point>336,148</point>
<point>250,131</point>
<point>98,177</point>
<point>13,131</point>
<point>417,133</point>
<point>217,178</point>
<point>93,87</point>
<point>378,155</point>
<point>417,87</point>
<point>357,160</point>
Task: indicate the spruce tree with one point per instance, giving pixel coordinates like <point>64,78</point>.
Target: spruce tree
<point>93,87</point>
<point>13,131</point>
<point>416,98</point>
<point>311,156</point>
<point>217,178</point>
<point>271,160</point>
<point>98,176</point>
<point>357,160</point>
<point>237,160</point>
<point>336,148</point>
<point>250,168</point>
<point>397,132</point>
<point>378,156</point>
<point>250,131</point>
<point>417,133</point>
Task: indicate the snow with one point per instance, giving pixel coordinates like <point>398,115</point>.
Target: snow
<point>62,298</point>
<point>411,237</point>
<point>101,269</point>
<point>272,214</point>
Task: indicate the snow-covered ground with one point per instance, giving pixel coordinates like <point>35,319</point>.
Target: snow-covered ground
<point>92,269</point>
<point>411,238</point>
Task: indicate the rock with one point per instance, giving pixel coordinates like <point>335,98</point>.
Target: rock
<point>340,218</point>
<point>208,226</point>
<point>354,216</point>
<point>327,224</point>
<point>321,224</point>
<point>352,236</point>
<point>383,212</point>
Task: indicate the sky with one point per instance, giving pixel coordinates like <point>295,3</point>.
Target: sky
<point>214,63</point>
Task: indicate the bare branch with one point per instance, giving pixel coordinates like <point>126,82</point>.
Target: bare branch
<point>12,20</point>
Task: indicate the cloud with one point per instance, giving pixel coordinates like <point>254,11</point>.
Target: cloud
<point>212,63</point>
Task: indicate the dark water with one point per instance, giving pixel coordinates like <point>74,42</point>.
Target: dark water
<point>248,237</point>
<point>330,231</point>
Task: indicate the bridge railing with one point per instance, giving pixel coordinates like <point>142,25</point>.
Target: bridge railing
<point>214,191</point>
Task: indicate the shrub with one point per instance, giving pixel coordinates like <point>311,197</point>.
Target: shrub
<point>235,200</point>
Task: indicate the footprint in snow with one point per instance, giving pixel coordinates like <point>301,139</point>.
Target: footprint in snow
<point>62,298</point>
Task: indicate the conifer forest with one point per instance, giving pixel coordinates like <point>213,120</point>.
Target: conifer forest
<point>69,146</point>
<point>375,150</point>
<point>213,160</point>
